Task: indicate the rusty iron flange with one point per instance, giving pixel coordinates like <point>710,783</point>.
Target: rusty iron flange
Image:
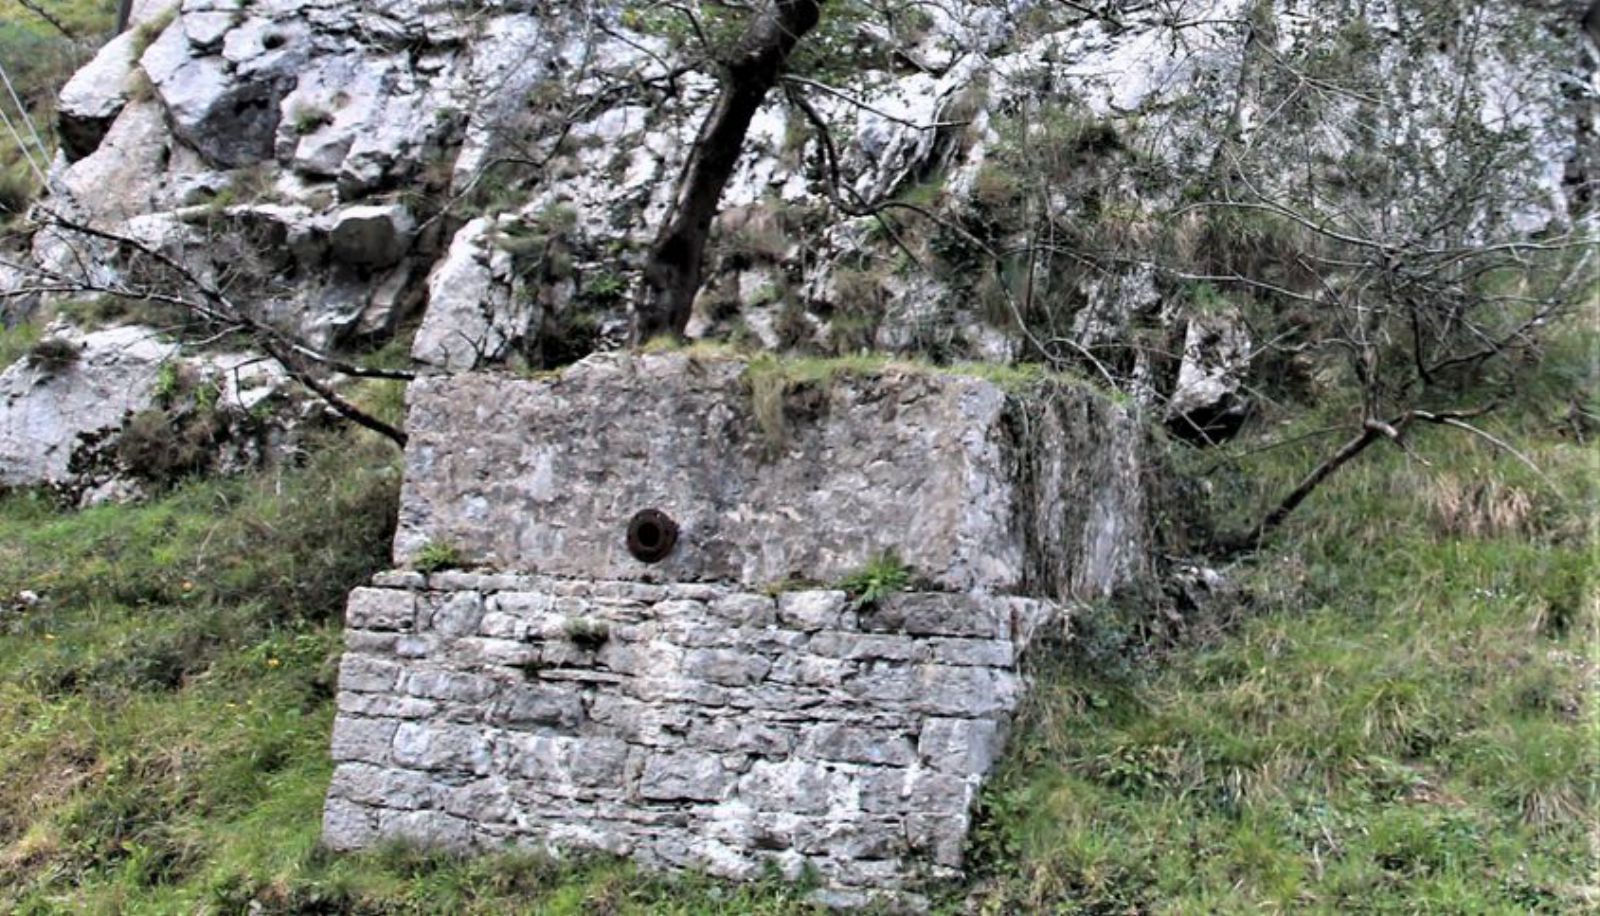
<point>651,535</point>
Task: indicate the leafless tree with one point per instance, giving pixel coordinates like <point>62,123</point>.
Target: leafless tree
<point>150,275</point>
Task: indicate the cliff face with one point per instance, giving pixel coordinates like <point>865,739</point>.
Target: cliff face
<point>561,129</point>
<point>487,176</point>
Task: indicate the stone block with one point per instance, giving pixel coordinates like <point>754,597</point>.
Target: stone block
<point>960,745</point>
<point>986,653</point>
<point>348,825</point>
<point>532,705</point>
<point>380,609</point>
<point>727,667</point>
<point>360,674</point>
<point>978,488</point>
<point>366,740</point>
<point>382,787</point>
<point>852,744</point>
<point>458,614</point>
<point>745,609</point>
<point>450,748</point>
<point>684,777</point>
<point>792,786</point>
<point>811,610</point>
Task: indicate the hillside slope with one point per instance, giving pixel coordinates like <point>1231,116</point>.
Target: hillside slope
<point>1400,720</point>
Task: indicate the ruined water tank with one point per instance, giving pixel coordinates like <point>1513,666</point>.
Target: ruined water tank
<point>651,653</point>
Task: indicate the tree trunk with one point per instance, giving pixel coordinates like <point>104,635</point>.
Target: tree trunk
<point>672,274</point>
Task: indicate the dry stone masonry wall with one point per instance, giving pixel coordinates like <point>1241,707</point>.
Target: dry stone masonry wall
<point>685,725</point>
<point>703,710</point>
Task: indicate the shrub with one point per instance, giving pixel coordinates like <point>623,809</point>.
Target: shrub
<point>53,354</point>
<point>166,444</point>
<point>310,119</point>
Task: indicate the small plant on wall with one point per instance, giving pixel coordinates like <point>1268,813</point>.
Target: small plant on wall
<point>587,634</point>
<point>881,577</point>
<point>436,556</point>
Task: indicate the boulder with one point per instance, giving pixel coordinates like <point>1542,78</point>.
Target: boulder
<point>95,95</point>
<point>66,408</point>
<point>374,235</point>
<point>48,407</point>
<point>1209,404</point>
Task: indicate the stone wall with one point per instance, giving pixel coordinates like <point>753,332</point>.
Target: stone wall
<point>699,708</point>
<point>1029,489</point>
<point>687,725</point>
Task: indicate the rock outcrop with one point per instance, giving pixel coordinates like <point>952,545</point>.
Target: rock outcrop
<point>572,122</point>
<point>74,411</point>
<point>88,386</point>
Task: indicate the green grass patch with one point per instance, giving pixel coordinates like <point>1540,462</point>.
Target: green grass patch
<point>1403,723</point>
<point>16,342</point>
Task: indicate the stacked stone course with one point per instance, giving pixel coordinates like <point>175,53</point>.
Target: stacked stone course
<point>686,725</point>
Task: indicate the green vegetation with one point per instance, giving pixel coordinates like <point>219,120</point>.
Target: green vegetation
<point>165,687</point>
<point>16,341</point>
<point>146,33</point>
<point>310,119</point>
<point>1404,722</point>
<point>882,577</point>
<point>434,557</point>
<point>587,634</point>
<point>39,59</point>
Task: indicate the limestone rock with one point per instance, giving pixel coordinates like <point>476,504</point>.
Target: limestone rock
<point>476,311</point>
<point>91,100</point>
<point>329,106</point>
<point>119,179</point>
<point>64,410</point>
<point>371,235</point>
<point>226,107</point>
<point>45,408</point>
<point>1209,404</point>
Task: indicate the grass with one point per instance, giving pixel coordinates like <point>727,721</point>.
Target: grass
<point>16,342</point>
<point>39,60</point>
<point>1402,721</point>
